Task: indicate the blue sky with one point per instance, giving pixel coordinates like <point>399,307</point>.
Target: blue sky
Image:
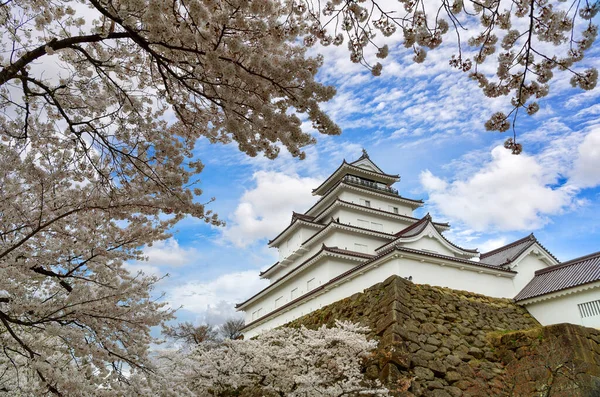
<point>424,122</point>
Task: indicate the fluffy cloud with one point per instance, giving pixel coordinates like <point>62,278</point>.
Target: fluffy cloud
<point>586,172</point>
<point>162,254</point>
<point>508,193</point>
<point>266,209</point>
<point>213,301</point>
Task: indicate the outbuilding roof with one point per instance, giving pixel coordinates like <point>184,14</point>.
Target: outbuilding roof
<point>574,273</point>
<point>508,253</point>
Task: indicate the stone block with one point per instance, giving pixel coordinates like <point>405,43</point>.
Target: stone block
<point>438,367</point>
<point>429,348</point>
<point>453,376</point>
<point>428,328</point>
<point>423,373</point>
<point>440,393</point>
<point>389,374</point>
<point>453,391</point>
<point>476,352</point>
<point>435,384</point>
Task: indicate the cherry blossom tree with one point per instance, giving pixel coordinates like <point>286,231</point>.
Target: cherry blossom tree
<point>282,362</point>
<point>101,105</point>
<point>190,334</point>
<point>532,40</point>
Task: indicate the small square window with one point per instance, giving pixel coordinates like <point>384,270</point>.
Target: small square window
<point>278,302</point>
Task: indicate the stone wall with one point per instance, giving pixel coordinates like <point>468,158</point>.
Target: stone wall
<point>557,360</point>
<point>432,341</point>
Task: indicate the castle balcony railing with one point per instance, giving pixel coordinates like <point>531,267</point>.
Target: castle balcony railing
<point>370,184</point>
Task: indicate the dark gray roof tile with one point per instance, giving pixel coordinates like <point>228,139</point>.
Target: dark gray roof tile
<point>559,277</point>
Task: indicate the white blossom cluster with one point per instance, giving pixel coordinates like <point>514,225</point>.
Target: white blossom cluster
<point>529,38</point>
<point>282,362</point>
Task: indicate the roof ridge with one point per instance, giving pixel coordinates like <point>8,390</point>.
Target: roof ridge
<point>509,245</point>
<point>568,263</point>
<point>413,226</point>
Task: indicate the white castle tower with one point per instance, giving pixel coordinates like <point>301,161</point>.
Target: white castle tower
<point>360,232</point>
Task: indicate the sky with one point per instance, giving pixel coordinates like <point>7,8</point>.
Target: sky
<point>424,122</point>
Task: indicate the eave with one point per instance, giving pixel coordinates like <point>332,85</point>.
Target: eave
<point>402,238</point>
<point>305,246</point>
<point>342,203</point>
<point>292,226</point>
<point>376,193</point>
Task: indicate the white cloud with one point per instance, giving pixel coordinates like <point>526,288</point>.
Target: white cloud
<point>508,193</point>
<point>492,244</point>
<point>213,301</point>
<point>166,253</point>
<point>586,171</point>
<point>267,208</point>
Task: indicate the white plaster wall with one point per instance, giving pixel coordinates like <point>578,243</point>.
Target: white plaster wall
<point>376,201</point>
<point>525,269</point>
<point>563,309</point>
<point>320,272</point>
<point>430,244</point>
<point>349,216</point>
<point>422,273</point>
<point>342,239</point>
<point>293,242</point>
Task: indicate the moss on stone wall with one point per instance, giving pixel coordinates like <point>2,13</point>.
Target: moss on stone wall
<point>435,341</point>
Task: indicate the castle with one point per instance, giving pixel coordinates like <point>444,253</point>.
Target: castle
<point>361,231</point>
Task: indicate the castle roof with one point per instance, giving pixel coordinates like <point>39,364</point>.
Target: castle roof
<point>348,168</point>
<point>574,273</point>
<point>508,253</point>
<point>417,228</point>
<point>363,208</point>
<point>296,220</point>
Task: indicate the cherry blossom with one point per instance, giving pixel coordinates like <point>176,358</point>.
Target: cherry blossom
<point>282,362</point>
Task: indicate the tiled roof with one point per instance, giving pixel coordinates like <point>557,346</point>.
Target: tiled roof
<point>294,219</point>
<point>508,253</point>
<point>559,277</point>
<point>388,213</point>
<point>418,227</point>
<point>415,228</point>
<point>269,269</point>
<point>358,228</point>
<point>353,167</point>
<point>303,217</point>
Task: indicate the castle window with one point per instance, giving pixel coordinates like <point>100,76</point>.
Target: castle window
<point>363,223</point>
<point>310,284</point>
<point>294,293</point>
<point>366,203</point>
<point>360,248</point>
<point>394,210</point>
<point>377,226</point>
<point>278,302</point>
<point>589,309</point>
